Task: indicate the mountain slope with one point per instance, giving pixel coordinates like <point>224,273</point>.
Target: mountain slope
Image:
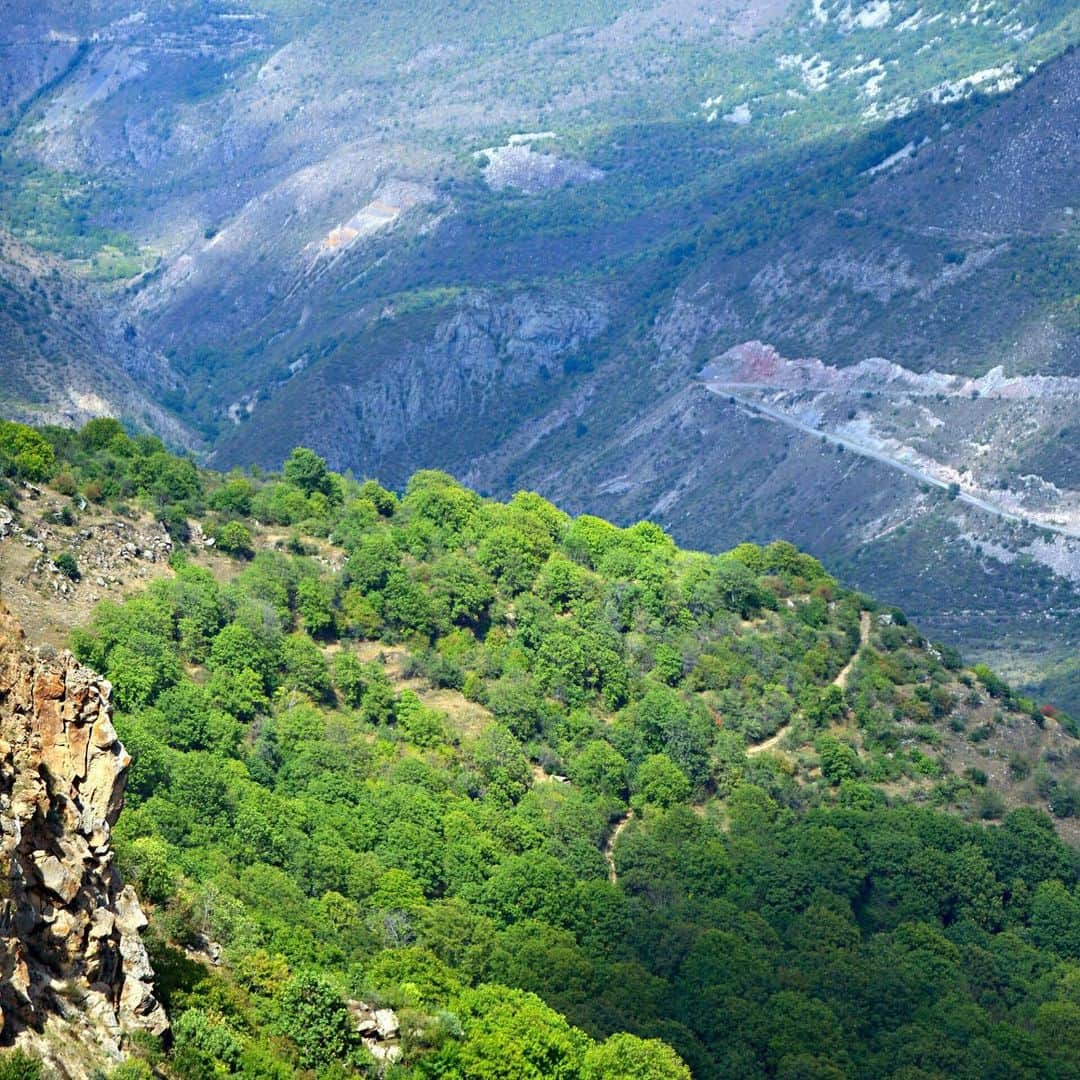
<point>875,276</point>
<point>507,247</point>
<point>475,788</point>
<point>64,361</point>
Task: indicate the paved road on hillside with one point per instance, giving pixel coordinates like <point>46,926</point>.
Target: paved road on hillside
<point>730,391</point>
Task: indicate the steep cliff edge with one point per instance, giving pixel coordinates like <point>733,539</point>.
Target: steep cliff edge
<point>70,952</point>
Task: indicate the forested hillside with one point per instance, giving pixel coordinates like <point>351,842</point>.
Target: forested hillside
<point>504,239</point>
<point>568,800</point>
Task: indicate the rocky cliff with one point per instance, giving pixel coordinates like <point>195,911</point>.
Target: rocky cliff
<point>73,969</point>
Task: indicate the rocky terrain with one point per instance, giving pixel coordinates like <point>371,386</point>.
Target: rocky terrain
<point>949,431</point>
<point>74,975</point>
<point>114,556</point>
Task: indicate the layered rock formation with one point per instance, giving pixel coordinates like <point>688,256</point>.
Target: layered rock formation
<point>69,927</point>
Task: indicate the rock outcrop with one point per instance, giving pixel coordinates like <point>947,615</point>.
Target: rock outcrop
<point>69,927</point>
<point>379,1031</point>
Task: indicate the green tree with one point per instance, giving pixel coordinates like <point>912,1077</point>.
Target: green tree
<point>234,496</point>
<point>416,974</point>
<point>237,647</point>
<point>170,479</point>
<point>600,768</point>
<point>406,605</point>
<point>1057,1028</point>
<point>730,586</point>
<point>627,1057</point>
<point>307,471</point>
<point>312,1013</point>
<point>527,887</point>
<point>511,557</point>
<point>666,723</point>
<point>511,1033</point>
<point>384,501</point>
<point>422,726</point>
<point>99,433</point>
<point>234,539</point>
<point>377,703</point>
<point>519,704</point>
<point>240,693</point>
<point>667,664</point>
<point>186,709</point>
<point>437,499</point>
<point>590,538</point>
<point>660,782</point>
<point>839,761</point>
<point>349,678</point>
<point>198,785</point>
<point>148,862</point>
<point>140,669</point>
<point>285,504</point>
<point>1055,919</point>
<point>314,603</point>
<point>461,587</point>
<point>372,561</point>
<point>149,756</point>
<point>824,706</point>
<point>25,453</point>
<point>305,666</point>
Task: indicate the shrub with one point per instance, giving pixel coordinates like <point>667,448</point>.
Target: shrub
<point>19,1065</point>
<point>1019,767</point>
<point>66,564</point>
<point>991,805</point>
<point>234,539</point>
<point>132,1069</point>
<point>1064,801</point>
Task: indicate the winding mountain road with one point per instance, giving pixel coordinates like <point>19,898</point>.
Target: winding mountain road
<point>729,390</point>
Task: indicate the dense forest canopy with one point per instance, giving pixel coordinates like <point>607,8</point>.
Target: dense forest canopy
<point>498,769</point>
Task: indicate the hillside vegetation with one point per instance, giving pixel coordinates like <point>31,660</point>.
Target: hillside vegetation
<point>571,801</point>
<point>498,239</point>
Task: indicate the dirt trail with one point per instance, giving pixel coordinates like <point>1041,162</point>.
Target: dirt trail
<point>768,744</point>
<point>841,680</point>
<point>609,847</point>
<point>864,639</point>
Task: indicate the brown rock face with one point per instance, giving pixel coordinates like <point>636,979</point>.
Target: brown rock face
<point>69,927</point>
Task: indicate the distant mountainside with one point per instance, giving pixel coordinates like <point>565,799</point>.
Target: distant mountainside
<point>67,360</point>
<point>508,244</point>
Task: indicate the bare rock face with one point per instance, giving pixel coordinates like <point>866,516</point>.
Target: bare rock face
<point>69,927</point>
